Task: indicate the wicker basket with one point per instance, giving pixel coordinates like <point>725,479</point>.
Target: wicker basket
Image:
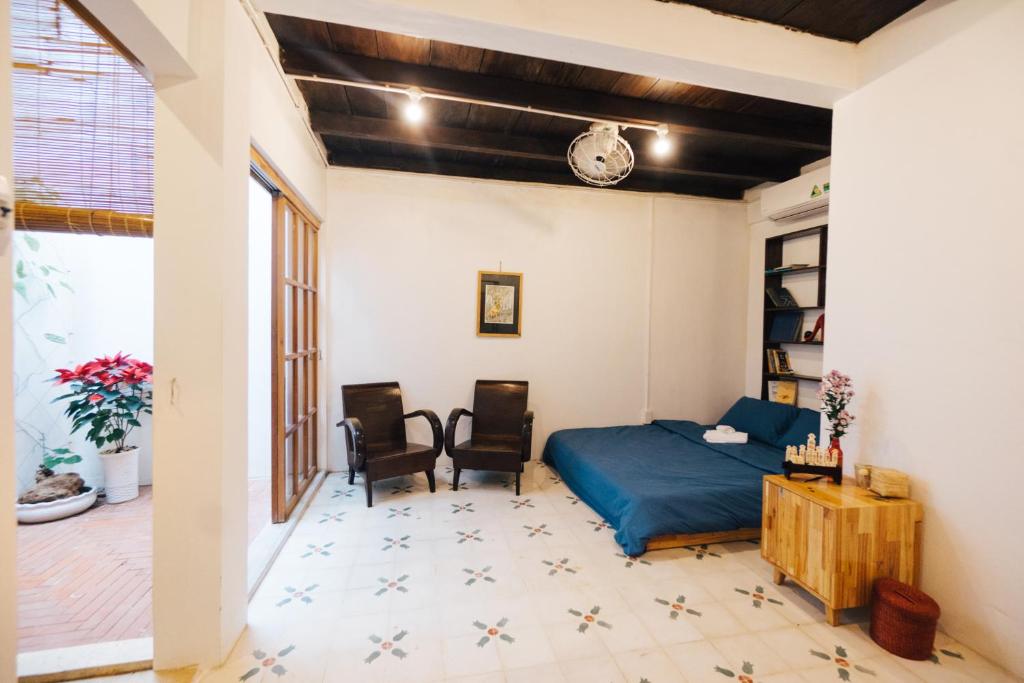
<point>903,619</point>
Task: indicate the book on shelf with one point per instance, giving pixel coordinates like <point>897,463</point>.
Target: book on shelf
<point>778,362</point>
<point>781,297</point>
<point>786,326</point>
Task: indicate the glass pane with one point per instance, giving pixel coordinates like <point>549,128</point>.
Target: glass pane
<point>289,417</point>
<point>310,252</point>
<point>310,384</point>
<point>310,318</point>
<point>300,388</point>
<point>300,320</point>
<point>300,249</point>
<point>288,488</point>
<point>288,230</point>
<point>312,446</point>
<point>287,319</point>
<point>304,468</point>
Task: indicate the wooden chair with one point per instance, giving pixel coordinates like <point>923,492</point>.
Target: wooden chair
<point>502,430</point>
<point>375,436</point>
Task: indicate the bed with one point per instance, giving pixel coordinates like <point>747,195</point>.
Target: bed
<point>661,485</point>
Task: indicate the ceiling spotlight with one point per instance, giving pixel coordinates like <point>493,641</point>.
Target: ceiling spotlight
<point>662,144</point>
<point>414,112</point>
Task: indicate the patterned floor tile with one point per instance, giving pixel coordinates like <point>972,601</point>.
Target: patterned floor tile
<point>481,586</point>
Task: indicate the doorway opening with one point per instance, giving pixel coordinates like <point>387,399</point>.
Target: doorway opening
<point>83,331</point>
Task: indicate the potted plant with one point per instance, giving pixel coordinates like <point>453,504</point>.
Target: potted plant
<point>54,496</point>
<point>835,395</point>
<point>108,395</point>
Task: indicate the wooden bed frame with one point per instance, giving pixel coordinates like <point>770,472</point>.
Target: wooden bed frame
<point>683,540</point>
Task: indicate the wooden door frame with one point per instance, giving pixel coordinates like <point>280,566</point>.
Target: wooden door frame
<point>285,198</point>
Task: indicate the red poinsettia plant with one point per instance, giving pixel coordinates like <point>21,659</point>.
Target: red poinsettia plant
<point>108,395</point>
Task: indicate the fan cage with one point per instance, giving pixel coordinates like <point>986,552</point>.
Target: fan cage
<point>620,151</point>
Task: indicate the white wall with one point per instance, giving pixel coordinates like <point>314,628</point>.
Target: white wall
<point>204,127</point>
<point>925,289</point>
<point>276,123</point>
<point>8,592</point>
<point>404,251</point>
<point>698,303</point>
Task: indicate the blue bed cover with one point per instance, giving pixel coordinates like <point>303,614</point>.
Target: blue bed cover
<point>663,478</point>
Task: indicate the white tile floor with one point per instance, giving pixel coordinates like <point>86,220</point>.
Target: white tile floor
<point>478,585</point>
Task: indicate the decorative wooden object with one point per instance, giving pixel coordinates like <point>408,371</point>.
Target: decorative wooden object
<point>889,483</point>
<point>834,473</point>
<point>834,540</point>
<point>810,459</point>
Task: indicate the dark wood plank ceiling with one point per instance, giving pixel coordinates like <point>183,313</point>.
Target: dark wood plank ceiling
<point>849,20</point>
<point>723,142</point>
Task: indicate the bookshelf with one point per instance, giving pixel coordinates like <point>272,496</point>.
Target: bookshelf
<point>810,304</point>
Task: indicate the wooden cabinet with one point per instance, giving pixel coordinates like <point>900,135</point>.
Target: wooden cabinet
<point>834,540</point>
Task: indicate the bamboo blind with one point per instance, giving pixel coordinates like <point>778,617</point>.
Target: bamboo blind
<point>83,127</point>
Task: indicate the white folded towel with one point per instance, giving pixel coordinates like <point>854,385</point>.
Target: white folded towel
<point>720,435</point>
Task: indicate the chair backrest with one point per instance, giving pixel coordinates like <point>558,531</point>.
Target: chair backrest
<point>379,407</point>
<point>498,408</point>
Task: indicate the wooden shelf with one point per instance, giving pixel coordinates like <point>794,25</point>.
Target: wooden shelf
<point>773,258</point>
<point>804,378</point>
<point>779,309</point>
<point>806,232</point>
<point>806,269</point>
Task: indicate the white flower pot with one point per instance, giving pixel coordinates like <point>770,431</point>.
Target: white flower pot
<point>34,513</point>
<point>121,474</point>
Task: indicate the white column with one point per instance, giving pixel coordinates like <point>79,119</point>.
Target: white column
<point>8,592</point>
<point>201,283</point>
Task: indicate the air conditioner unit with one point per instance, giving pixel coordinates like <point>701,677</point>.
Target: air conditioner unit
<point>798,197</point>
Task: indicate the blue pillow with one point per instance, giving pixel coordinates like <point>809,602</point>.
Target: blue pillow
<point>807,422</point>
<point>762,420</point>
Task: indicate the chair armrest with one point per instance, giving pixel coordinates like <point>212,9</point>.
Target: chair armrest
<point>449,429</point>
<point>356,442</point>
<point>527,435</point>
<point>435,427</point>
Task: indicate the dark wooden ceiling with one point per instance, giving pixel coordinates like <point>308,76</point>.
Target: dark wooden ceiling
<point>723,142</point>
<point>850,20</point>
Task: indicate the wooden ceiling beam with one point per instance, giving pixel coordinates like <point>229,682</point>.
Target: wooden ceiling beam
<point>303,61</point>
<point>635,182</point>
<point>484,142</point>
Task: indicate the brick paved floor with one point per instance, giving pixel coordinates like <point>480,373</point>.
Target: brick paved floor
<point>87,579</point>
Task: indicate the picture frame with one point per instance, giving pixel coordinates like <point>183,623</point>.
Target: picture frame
<point>499,304</point>
<point>783,391</point>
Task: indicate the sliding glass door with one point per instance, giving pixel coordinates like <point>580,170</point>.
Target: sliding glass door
<point>296,355</point>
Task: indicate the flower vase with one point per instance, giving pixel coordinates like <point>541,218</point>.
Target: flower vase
<point>834,446</point>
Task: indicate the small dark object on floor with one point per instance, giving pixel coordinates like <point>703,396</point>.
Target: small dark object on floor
<point>50,487</point>
<point>903,619</point>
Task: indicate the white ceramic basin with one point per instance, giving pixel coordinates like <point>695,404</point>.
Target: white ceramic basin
<point>35,513</point>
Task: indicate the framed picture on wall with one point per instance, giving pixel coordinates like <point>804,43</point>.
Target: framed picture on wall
<point>499,305</point>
